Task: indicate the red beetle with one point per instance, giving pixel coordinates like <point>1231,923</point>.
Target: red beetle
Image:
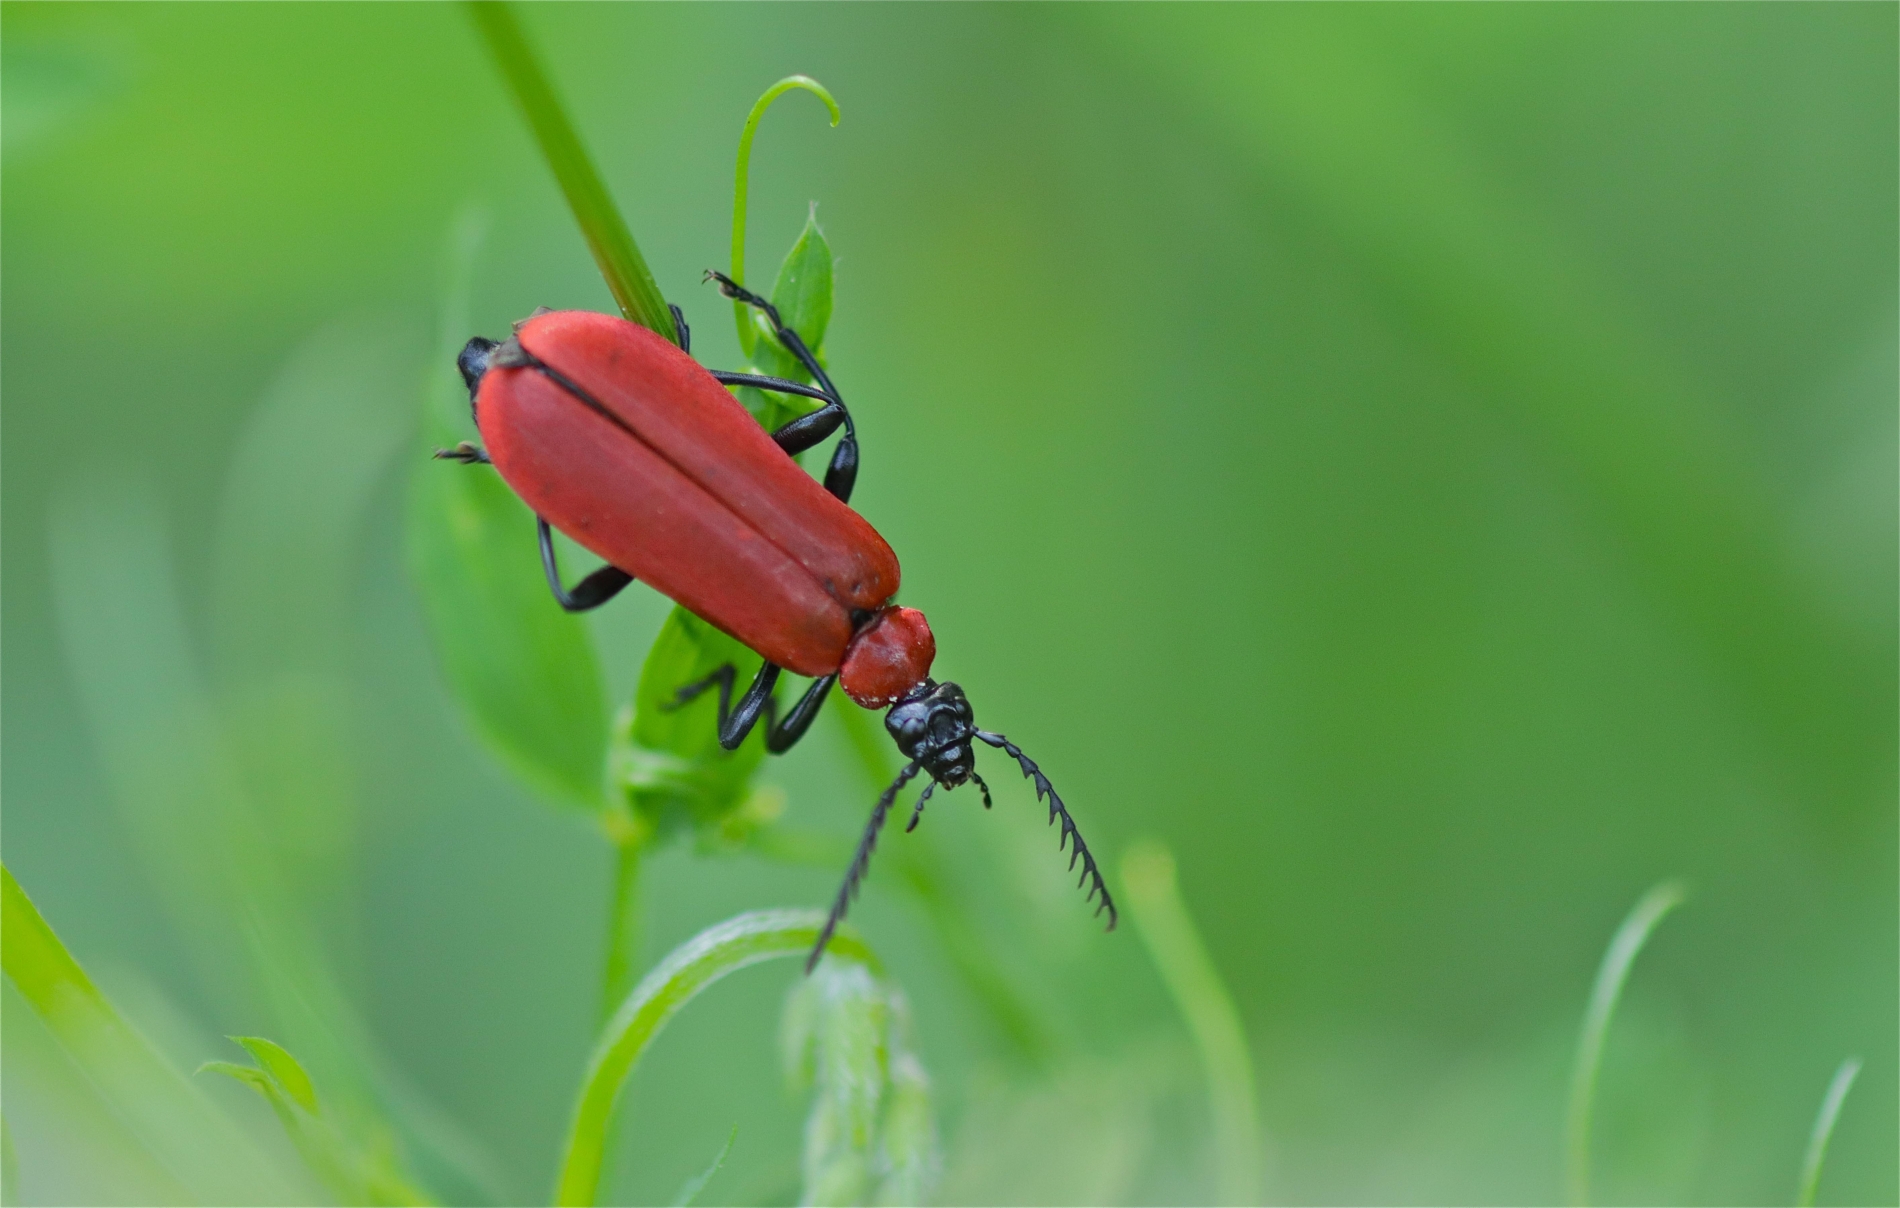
<point>625,443</point>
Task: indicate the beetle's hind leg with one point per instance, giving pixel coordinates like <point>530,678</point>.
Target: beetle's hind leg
<point>807,430</point>
<point>736,721</point>
<point>593,591</point>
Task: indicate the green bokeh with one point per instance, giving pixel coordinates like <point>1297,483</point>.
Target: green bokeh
<point>1434,467</point>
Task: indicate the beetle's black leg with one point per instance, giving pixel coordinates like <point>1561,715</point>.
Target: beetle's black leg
<point>807,430</point>
<point>781,733</point>
<point>860,861</point>
<point>784,732</point>
<point>593,591</point>
<point>735,722</point>
<point>679,325</point>
<point>917,815</point>
<point>467,452</point>
<point>1079,850</point>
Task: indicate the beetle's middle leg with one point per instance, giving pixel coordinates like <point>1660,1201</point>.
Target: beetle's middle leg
<point>736,721</point>
<point>593,591</point>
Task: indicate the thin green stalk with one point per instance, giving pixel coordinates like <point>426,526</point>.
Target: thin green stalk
<point>1624,945</point>
<point>741,314</point>
<point>1824,1130</point>
<point>623,924</point>
<point>1166,927</point>
<point>688,969</point>
<point>625,270</point>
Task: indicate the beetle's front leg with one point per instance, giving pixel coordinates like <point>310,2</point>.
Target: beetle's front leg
<point>734,722</point>
<point>782,733</point>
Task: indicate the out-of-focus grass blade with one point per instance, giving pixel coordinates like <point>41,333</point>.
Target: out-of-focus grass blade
<point>354,1174</point>
<point>625,270</point>
<point>1517,303</point>
<point>667,760</point>
<point>689,1190</point>
<point>205,1153</point>
<point>1837,1088</point>
<point>1174,942</point>
<point>289,536</point>
<point>712,954</point>
<point>1624,945</point>
<point>523,671</point>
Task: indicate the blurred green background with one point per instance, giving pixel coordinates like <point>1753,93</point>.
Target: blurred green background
<point>1434,467</point>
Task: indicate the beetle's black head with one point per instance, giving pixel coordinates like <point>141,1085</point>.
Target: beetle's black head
<point>934,726</point>
<point>473,362</point>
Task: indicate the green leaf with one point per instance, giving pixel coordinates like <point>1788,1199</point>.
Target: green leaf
<point>524,671</point>
<point>721,949</point>
<point>282,1067</point>
<point>668,761</point>
<point>802,295</point>
<point>191,1141</point>
<point>355,1173</point>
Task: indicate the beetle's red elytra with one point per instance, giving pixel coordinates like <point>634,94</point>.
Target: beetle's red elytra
<point>674,482</point>
<point>624,442</point>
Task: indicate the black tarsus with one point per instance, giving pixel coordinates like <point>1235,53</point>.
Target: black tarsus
<point>860,861</point>
<point>593,591</point>
<point>807,430</point>
<point>735,722</point>
<point>684,332</point>
<point>1091,875</point>
<point>467,452</point>
<point>917,815</point>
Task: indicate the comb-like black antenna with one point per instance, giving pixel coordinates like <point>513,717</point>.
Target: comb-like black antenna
<point>917,814</point>
<point>859,862</point>
<point>1091,876</point>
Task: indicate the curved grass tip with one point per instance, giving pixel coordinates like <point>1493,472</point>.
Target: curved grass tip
<point>742,177</point>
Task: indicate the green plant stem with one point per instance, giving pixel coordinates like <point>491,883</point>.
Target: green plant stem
<point>1823,1130</point>
<point>623,924</point>
<point>688,969</point>
<point>1624,945</point>
<point>741,314</point>
<point>209,1159</point>
<point>625,270</point>
<point>1166,927</point>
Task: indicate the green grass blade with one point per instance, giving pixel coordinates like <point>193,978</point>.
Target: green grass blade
<point>625,270</point>
<point>689,1190</point>
<point>741,314</point>
<point>1624,945</point>
<point>1161,917</point>
<point>712,954</point>
<point>207,1155</point>
<point>1824,1130</point>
